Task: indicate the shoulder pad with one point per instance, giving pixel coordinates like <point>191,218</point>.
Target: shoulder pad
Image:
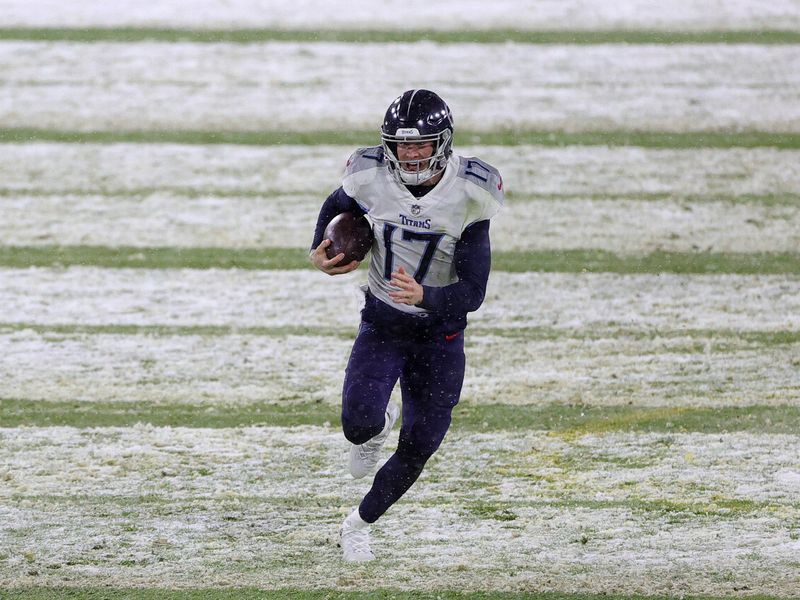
<point>361,169</point>
<point>483,175</point>
<point>364,158</point>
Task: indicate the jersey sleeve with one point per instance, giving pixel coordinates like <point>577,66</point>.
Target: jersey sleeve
<point>484,187</point>
<point>472,261</point>
<point>338,202</point>
<point>360,170</point>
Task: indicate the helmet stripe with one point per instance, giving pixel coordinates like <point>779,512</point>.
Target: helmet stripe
<point>410,103</point>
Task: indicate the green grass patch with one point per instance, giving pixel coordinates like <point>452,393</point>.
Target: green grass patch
<point>564,420</point>
<point>652,419</point>
<point>552,261</point>
<point>154,258</point>
<point>157,504</point>
<point>689,509</point>
<point>487,510</point>
<point>576,420</point>
<point>602,261</point>
<point>508,137</point>
<point>182,330</point>
<point>357,36</point>
<point>717,508</point>
<point>781,199</point>
<point>107,593</point>
<point>45,413</point>
<point>144,192</point>
<point>720,340</point>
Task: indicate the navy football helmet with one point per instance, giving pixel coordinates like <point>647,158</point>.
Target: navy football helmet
<point>418,116</point>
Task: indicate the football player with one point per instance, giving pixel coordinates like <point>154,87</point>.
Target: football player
<point>430,260</point>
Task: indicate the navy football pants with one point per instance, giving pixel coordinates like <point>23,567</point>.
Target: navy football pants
<point>431,374</point>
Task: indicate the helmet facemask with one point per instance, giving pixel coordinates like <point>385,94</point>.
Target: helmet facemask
<point>436,163</point>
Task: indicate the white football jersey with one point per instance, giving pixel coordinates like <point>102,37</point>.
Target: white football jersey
<point>419,234</point>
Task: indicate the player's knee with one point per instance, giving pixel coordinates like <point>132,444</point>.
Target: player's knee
<point>361,421</point>
<point>357,432</point>
<point>363,410</point>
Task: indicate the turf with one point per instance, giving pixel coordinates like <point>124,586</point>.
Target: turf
<point>47,537</point>
<point>165,330</point>
<point>516,137</point>
<point>597,261</point>
<point>154,258</point>
<point>356,36</point>
<point>709,339</point>
<point>569,420</point>
<point>780,199</point>
<point>552,261</point>
<point>307,594</point>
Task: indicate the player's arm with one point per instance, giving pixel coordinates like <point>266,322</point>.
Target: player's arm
<point>337,203</point>
<point>472,260</point>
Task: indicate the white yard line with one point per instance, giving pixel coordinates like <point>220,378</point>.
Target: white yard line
<point>97,296</point>
<point>416,14</point>
<point>246,87</point>
<point>624,513</point>
<point>595,171</point>
<point>619,226</point>
<point>243,369</point>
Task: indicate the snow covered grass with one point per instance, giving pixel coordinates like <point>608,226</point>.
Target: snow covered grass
<point>598,339</point>
<point>230,369</point>
<point>563,301</point>
<point>621,370</point>
<point>217,169</point>
<point>623,200</point>
<point>416,14</point>
<point>615,368</point>
<point>593,506</point>
<point>282,221</point>
<point>622,513</point>
<point>528,171</point>
<point>639,227</point>
<point>157,219</point>
<point>245,87</point>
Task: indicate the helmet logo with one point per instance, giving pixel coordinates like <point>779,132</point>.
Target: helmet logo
<point>408,131</point>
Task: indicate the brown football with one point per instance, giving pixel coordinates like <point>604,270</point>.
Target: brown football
<point>351,234</point>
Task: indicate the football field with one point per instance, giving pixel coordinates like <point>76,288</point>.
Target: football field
<point>171,365</point>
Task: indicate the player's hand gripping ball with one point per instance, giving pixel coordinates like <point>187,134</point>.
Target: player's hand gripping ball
<point>351,234</point>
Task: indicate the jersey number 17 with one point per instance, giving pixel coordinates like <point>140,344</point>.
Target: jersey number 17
<point>431,240</point>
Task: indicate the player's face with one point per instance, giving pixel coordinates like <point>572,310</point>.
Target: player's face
<point>414,151</point>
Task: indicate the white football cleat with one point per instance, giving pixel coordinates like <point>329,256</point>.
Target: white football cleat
<point>364,457</point>
<point>355,543</point>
